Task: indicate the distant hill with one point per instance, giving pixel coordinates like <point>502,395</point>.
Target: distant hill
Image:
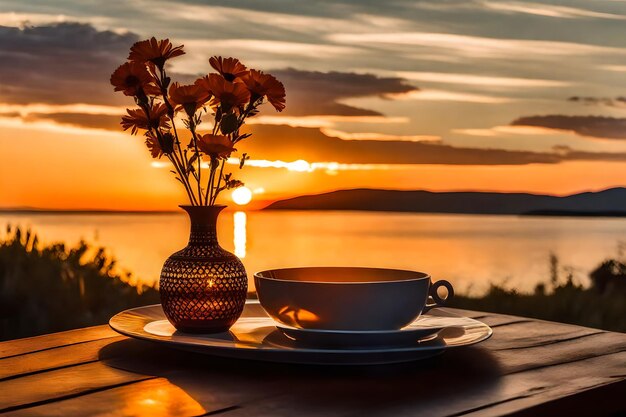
<point>610,202</point>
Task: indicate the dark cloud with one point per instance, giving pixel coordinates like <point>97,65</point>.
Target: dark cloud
<point>96,121</point>
<point>289,144</point>
<point>619,102</point>
<point>318,93</point>
<point>592,126</point>
<point>72,62</point>
<point>60,63</point>
<point>594,156</point>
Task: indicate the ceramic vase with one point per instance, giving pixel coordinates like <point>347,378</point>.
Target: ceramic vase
<point>203,286</point>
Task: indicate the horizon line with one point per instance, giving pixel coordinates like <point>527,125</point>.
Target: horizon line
<point>40,210</point>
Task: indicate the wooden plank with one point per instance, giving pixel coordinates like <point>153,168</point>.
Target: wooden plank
<point>33,344</point>
<point>478,315</point>
<point>61,383</point>
<point>521,334</point>
<point>155,397</point>
<point>53,358</point>
<point>431,391</point>
<point>216,384</point>
<point>607,400</point>
<point>491,319</point>
<point>192,371</point>
<point>552,354</point>
<point>538,341</point>
<point>594,376</point>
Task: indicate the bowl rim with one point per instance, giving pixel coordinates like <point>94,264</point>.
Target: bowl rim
<point>422,275</point>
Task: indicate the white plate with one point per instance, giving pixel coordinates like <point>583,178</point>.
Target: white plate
<point>424,328</point>
<point>255,337</point>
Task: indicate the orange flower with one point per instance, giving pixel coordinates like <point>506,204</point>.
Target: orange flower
<point>153,146</point>
<point>137,119</point>
<point>159,145</point>
<point>154,51</point>
<point>229,68</point>
<point>216,146</point>
<point>188,97</point>
<point>224,92</point>
<point>133,78</point>
<point>266,85</point>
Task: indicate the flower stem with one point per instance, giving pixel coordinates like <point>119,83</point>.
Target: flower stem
<point>192,129</point>
<point>209,190</point>
<point>219,180</point>
<point>172,157</point>
<point>184,178</point>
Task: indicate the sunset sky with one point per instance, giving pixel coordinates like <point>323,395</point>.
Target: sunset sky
<point>409,94</point>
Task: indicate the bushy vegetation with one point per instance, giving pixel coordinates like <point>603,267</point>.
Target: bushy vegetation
<point>52,288</point>
<point>602,305</point>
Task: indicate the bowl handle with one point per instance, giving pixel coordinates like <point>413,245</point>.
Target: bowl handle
<point>438,301</point>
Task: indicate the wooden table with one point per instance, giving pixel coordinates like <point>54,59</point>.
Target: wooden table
<point>528,368</point>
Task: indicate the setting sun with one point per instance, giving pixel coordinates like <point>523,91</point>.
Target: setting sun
<point>242,196</point>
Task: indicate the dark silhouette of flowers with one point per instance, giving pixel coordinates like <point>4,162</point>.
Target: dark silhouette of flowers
<point>216,146</point>
<point>226,94</point>
<point>266,85</point>
<point>229,68</point>
<point>133,78</point>
<point>231,95</point>
<point>188,97</point>
<point>154,51</point>
<point>137,119</point>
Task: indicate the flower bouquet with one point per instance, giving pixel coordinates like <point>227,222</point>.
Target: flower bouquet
<point>203,287</point>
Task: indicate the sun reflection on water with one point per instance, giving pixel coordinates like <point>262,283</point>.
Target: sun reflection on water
<point>240,234</point>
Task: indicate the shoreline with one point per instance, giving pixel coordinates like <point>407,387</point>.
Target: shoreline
<point>534,213</point>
